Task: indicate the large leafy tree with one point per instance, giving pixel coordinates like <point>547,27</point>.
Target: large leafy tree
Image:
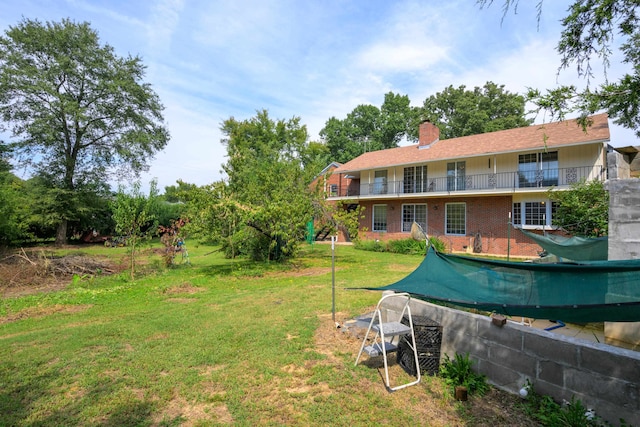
<point>369,128</point>
<point>583,210</point>
<point>461,112</point>
<point>594,29</point>
<point>76,110</point>
<point>267,185</point>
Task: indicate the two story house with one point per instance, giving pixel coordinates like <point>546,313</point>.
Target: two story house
<point>467,191</point>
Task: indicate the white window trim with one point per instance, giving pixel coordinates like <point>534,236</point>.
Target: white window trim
<point>523,213</point>
<point>446,213</point>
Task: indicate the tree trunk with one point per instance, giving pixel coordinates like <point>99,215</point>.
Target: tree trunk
<point>61,234</point>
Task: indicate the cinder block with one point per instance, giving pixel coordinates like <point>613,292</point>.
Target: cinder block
<point>513,359</point>
<point>505,335</point>
<point>550,348</point>
<point>551,372</point>
<point>500,376</point>
<point>605,388</point>
<point>611,361</point>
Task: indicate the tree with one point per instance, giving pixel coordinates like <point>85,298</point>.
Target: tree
<point>583,210</point>
<point>178,193</point>
<point>267,184</point>
<point>76,109</point>
<point>216,217</point>
<point>369,128</point>
<point>12,202</point>
<point>460,112</point>
<point>592,28</point>
<point>134,218</point>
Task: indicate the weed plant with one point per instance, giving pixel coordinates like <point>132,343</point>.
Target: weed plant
<point>459,372</point>
<point>570,414</point>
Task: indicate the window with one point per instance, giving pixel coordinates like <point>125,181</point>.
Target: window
<point>455,176</point>
<point>538,169</point>
<point>411,213</point>
<point>534,213</point>
<point>380,182</point>
<point>333,190</point>
<point>455,218</point>
<point>517,214</point>
<point>379,218</point>
<point>415,179</point>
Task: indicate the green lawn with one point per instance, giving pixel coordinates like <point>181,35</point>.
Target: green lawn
<point>218,342</point>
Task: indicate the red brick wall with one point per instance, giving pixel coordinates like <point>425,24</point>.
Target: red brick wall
<point>487,216</point>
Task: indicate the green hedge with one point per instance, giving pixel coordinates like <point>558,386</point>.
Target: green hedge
<point>401,246</point>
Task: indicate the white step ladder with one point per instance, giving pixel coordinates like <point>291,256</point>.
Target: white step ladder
<point>388,331</point>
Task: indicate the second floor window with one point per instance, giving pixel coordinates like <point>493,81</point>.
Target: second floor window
<point>380,182</point>
<point>456,176</point>
<point>415,179</point>
<point>538,169</point>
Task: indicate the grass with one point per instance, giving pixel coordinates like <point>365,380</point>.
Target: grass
<point>216,343</point>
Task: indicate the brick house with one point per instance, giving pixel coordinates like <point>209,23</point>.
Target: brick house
<point>466,190</point>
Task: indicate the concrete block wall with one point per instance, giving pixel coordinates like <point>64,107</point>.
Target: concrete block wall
<point>603,377</point>
<point>624,243</point>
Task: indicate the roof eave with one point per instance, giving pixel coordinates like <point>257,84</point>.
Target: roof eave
<point>471,156</point>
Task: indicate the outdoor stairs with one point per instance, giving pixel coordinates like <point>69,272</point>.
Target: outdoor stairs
<point>323,233</point>
<point>387,336</point>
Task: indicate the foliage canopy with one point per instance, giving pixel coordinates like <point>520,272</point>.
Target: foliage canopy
<point>77,111</point>
<point>263,208</point>
<point>583,210</point>
<point>592,29</point>
<point>461,112</point>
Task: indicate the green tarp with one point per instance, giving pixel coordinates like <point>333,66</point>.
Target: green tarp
<point>582,292</point>
<point>573,248</point>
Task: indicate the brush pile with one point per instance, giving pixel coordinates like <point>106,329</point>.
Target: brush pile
<point>38,270</point>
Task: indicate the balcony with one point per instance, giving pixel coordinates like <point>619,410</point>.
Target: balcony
<point>491,182</point>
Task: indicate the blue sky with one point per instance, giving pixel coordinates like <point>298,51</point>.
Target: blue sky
<point>210,60</point>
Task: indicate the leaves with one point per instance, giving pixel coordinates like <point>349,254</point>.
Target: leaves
<point>583,210</point>
<point>263,209</point>
<point>75,109</point>
<point>369,128</point>
<point>133,213</point>
<point>593,29</point>
<point>461,112</point>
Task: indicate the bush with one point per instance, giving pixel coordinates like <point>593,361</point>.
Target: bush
<point>400,246</point>
<point>370,245</point>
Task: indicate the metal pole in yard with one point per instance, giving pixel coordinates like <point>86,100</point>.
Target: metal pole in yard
<point>509,236</point>
<point>333,277</point>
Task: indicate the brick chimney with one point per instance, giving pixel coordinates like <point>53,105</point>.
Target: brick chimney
<point>428,134</point>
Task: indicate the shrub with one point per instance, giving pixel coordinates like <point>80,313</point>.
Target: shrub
<point>370,245</point>
<point>400,246</point>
